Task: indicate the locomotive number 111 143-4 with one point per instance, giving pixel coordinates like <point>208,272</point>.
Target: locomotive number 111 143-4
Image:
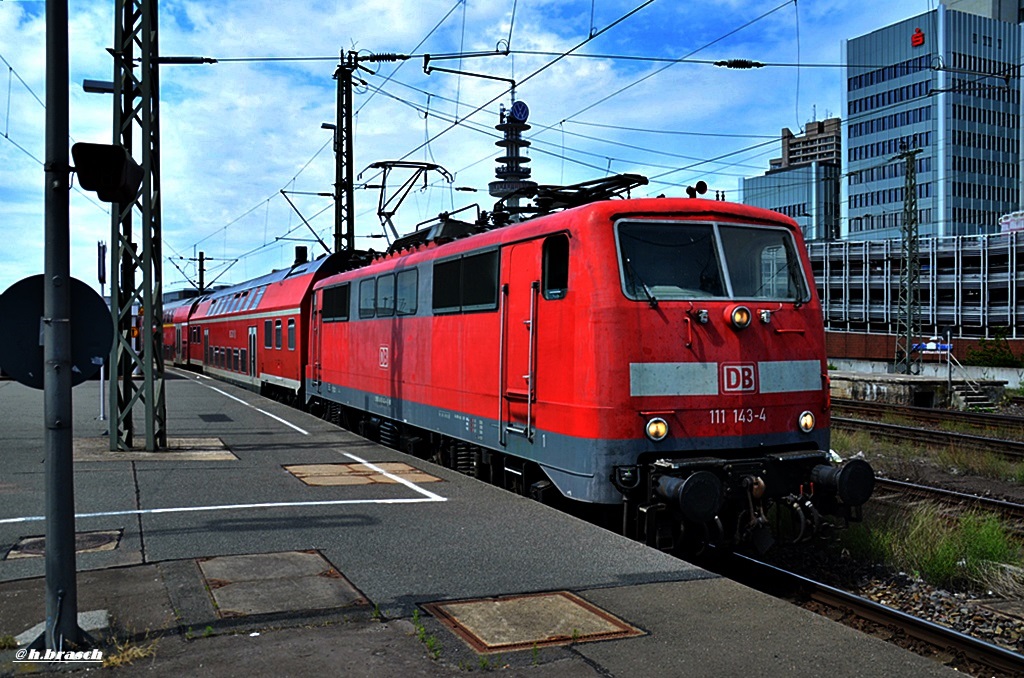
<point>739,416</point>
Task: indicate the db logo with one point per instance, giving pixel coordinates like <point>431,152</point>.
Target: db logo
<point>383,357</point>
<point>739,378</point>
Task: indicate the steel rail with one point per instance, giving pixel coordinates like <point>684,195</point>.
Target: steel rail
<point>972,649</point>
<point>1009,448</point>
<point>980,419</point>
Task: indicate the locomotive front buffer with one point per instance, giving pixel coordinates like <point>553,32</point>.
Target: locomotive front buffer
<point>740,502</point>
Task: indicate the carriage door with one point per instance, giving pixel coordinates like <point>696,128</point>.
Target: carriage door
<point>207,358</point>
<point>519,293</point>
<point>177,344</point>
<point>316,318</point>
<point>252,351</point>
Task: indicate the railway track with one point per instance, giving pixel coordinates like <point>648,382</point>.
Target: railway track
<point>976,420</point>
<point>972,655</point>
<point>1010,449</point>
<point>1012,513</point>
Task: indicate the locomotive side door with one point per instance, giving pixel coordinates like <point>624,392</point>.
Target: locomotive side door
<point>520,290</point>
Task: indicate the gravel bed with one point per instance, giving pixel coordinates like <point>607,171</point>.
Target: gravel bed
<point>979,614</point>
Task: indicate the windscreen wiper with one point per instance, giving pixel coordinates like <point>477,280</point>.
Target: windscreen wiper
<point>651,299</point>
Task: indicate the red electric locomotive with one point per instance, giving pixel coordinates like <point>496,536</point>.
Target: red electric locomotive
<point>661,355</point>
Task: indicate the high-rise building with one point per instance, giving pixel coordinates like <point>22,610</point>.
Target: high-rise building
<point>945,84</point>
<point>804,182</point>
<point>820,142</point>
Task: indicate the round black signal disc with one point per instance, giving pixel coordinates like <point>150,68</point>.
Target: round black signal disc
<point>21,341</point>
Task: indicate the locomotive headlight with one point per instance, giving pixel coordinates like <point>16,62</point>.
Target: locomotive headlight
<point>657,429</point>
<point>739,316</point>
<point>806,422</point>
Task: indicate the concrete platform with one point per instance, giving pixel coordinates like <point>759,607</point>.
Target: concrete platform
<point>238,566</point>
<point>914,390</point>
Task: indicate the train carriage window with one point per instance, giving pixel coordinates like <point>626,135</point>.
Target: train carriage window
<point>448,286</point>
<point>268,336</point>
<point>291,334</point>
<point>469,283</point>
<point>335,304</point>
<point>406,292</point>
<point>244,362</point>
<point>258,296</point>
<point>555,273</point>
<point>480,281</point>
<point>277,334</point>
<point>367,298</point>
<point>385,304</point>
<point>235,361</point>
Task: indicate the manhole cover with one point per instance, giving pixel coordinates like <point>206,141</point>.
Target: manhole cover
<point>268,583</point>
<point>215,418</point>
<point>358,474</point>
<point>521,622</point>
<point>85,542</point>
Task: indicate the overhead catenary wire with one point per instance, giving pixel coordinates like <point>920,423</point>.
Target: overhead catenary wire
<point>580,55</point>
<point>458,117</point>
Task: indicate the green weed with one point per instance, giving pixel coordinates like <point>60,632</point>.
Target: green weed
<point>955,553</point>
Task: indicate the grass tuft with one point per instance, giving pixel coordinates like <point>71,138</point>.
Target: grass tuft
<point>124,653</point>
<point>973,550</point>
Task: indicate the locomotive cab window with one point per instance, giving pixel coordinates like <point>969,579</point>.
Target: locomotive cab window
<point>555,273</point>
<point>685,260</point>
<point>763,264</point>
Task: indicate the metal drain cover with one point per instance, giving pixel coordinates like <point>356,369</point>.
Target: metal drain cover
<point>358,474</point>
<point>523,622</point>
<point>85,542</point>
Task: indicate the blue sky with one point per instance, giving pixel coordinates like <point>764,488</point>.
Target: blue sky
<point>236,133</point>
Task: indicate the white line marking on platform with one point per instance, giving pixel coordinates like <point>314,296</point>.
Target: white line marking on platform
<point>408,483</point>
<point>272,416</point>
<point>233,507</point>
<point>427,498</point>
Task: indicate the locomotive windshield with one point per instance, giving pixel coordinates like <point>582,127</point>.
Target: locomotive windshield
<point>682,260</point>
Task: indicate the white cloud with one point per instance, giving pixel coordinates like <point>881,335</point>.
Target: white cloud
<point>235,133</point>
